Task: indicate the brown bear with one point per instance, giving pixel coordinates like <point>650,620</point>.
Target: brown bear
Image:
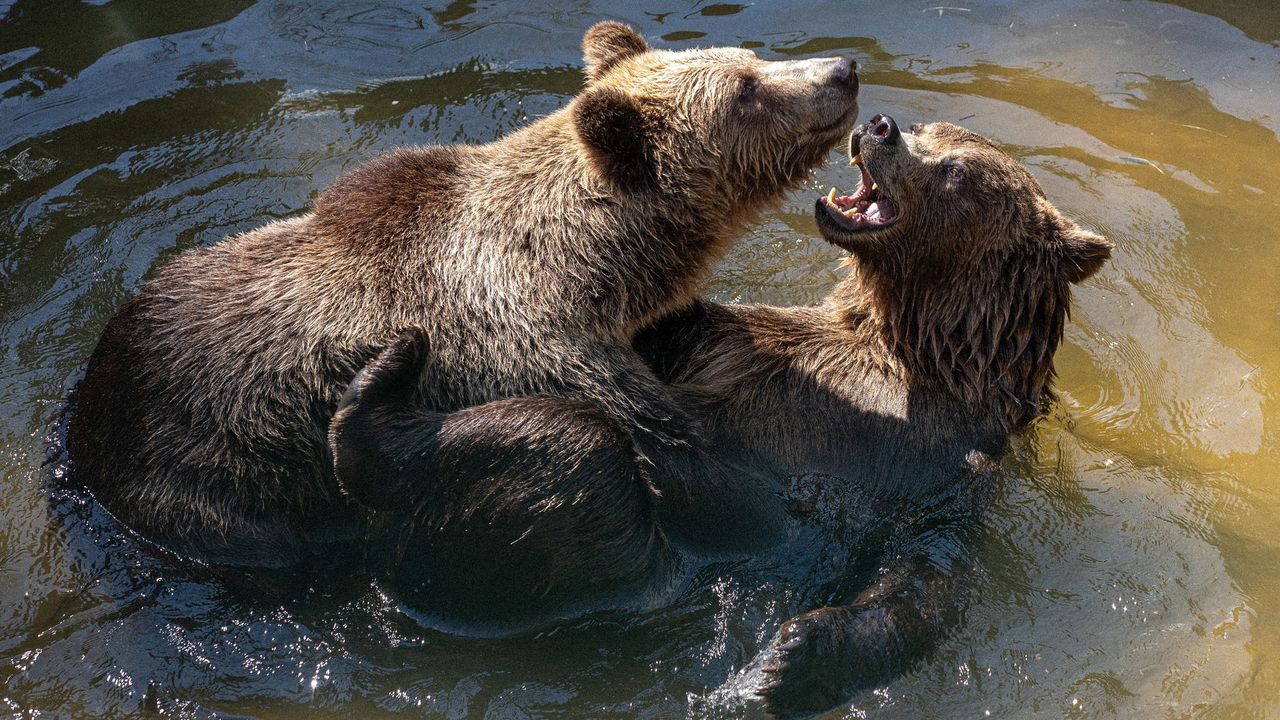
<point>914,373</point>
<point>529,263</point>
<point>909,379</point>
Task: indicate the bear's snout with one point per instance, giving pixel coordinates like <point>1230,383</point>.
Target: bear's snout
<point>842,72</point>
<point>880,129</point>
<point>884,129</point>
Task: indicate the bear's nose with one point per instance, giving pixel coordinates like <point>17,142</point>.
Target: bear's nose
<point>885,129</point>
<point>843,71</point>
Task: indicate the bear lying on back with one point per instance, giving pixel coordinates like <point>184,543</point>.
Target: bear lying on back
<point>529,263</point>
<point>915,372</point>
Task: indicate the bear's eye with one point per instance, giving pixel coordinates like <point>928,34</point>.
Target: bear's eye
<point>915,128</point>
<point>954,173</point>
<point>747,89</point>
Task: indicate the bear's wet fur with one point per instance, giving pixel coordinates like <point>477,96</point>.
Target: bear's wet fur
<point>909,379</point>
<point>528,263</point>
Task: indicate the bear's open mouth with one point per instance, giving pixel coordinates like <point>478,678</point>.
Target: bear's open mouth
<point>870,208</point>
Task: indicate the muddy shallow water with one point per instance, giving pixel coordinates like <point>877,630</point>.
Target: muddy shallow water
<point>1131,563</point>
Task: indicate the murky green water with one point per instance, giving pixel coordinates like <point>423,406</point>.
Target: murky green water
<point>1132,567</point>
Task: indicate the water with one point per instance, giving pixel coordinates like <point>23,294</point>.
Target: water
<point>1132,566</point>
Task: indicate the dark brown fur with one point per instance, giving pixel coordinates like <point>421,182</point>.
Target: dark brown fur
<point>529,263</point>
<point>925,359</point>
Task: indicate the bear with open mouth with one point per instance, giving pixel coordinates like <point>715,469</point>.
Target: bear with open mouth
<point>909,379</point>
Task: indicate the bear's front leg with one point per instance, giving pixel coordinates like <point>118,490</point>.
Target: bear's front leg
<point>531,508</point>
<point>824,657</point>
<point>815,662</point>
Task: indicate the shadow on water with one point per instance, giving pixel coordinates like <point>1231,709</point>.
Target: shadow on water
<point>1128,566</point>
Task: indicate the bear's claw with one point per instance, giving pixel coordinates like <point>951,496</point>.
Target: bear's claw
<point>806,665</point>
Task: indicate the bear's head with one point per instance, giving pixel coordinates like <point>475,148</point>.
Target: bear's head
<point>960,256</point>
<point>718,127</point>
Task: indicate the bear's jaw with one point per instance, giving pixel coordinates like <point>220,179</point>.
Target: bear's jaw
<point>837,127</point>
<point>868,210</point>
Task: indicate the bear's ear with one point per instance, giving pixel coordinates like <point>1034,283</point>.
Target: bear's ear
<point>612,128</point>
<point>1080,253</point>
<point>608,43</point>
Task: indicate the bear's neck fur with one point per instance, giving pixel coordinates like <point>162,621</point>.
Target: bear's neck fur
<point>921,318</point>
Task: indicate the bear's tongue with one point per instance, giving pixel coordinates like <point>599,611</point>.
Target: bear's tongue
<point>882,211</point>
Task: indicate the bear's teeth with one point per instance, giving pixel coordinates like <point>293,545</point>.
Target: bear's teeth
<point>831,197</point>
<point>856,159</point>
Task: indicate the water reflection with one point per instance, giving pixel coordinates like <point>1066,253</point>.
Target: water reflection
<point>42,54</point>
<point>1129,566</point>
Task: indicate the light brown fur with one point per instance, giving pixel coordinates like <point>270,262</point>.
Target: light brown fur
<point>528,262</point>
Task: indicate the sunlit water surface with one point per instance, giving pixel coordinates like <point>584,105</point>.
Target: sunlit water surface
<point>1130,564</point>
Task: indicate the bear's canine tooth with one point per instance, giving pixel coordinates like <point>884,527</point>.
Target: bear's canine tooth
<point>831,197</point>
<point>856,159</point>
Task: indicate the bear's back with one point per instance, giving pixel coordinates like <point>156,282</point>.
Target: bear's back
<point>219,376</point>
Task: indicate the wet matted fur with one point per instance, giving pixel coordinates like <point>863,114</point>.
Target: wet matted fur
<point>528,262</point>
<point>935,349</point>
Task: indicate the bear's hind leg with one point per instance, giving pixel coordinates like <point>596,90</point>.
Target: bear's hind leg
<point>537,509</point>
<point>501,515</point>
<point>378,435</point>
